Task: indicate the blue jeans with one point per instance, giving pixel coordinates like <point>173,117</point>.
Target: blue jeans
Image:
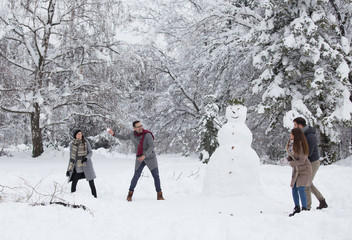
<point>137,174</point>
<point>302,194</point>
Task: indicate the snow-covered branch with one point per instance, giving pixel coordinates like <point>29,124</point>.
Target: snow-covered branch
<point>16,64</point>
<point>14,111</point>
<point>16,89</point>
<point>70,103</point>
<point>174,78</point>
<point>339,18</point>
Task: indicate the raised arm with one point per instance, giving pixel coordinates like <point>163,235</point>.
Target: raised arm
<point>119,136</point>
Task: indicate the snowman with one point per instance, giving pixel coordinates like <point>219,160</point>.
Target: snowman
<point>233,169</point>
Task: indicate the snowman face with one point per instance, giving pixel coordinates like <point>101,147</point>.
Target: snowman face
<point>236,113</point>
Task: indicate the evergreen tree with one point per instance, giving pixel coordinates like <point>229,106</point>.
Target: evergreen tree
<point>304,69</point>
<point>209,127</point>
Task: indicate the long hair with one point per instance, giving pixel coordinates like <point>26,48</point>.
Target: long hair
<point>299,141</point>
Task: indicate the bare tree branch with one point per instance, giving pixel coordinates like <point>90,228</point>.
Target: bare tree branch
<point>14,111</point>
<point>16,64</point>
<point>15,89</point>
<point>167,71</point>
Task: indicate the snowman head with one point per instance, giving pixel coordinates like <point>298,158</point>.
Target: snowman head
<point>236,113</point>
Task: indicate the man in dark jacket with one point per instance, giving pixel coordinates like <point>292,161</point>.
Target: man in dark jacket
<point>143,141</point>
<point>313,157</point>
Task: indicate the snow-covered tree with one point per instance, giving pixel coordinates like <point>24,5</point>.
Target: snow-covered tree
<point>208,128</point>
<point>200,45</point>
<point>98,63</point>
<point>303,59</point>
<point>50,47</point>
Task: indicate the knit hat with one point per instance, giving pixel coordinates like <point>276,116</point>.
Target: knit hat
<point>75,131</point>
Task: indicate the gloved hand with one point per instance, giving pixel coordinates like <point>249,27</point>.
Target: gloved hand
<point>84,160</point>
<point>67,173</point>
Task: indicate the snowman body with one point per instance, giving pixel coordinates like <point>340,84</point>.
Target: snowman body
<point>233,169</point>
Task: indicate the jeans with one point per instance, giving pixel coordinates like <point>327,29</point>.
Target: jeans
<point>137,174</point>
<point>302,194</point>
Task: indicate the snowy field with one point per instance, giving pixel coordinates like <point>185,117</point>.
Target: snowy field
<point>186,213</point>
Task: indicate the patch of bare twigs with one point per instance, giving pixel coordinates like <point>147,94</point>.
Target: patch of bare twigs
<point>65,204</point>
<point>192,174</point>
<point>28,193</point>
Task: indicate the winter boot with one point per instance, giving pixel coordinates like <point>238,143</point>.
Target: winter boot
<point>160,196</point>
<point>322,204</point>
<point>129,196</point>
<point>297,209</point>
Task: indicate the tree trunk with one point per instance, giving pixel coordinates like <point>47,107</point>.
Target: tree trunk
<point>36,132</point>
<point>329,150</point>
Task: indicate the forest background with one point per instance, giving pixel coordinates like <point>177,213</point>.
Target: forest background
<point>175,65</point>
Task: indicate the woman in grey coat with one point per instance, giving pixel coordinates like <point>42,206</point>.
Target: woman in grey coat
<point>80,165</point>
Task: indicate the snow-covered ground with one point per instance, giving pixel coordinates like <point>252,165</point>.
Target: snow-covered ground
<point>186,213</point>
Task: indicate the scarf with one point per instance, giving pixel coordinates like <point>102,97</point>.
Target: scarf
<point>78,152</point>
<point>140,145</point>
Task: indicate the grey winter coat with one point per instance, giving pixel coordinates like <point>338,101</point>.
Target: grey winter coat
<point>148,148</point>
<point>311,137</point>
<point>88,170</point>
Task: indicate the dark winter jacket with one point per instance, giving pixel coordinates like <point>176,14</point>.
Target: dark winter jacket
<point>148,148</point>
<point>312,143</point>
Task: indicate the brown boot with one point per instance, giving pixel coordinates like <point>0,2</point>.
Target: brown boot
<point>129,196</point>
<point>160,196</point>
<point>322,204</point>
